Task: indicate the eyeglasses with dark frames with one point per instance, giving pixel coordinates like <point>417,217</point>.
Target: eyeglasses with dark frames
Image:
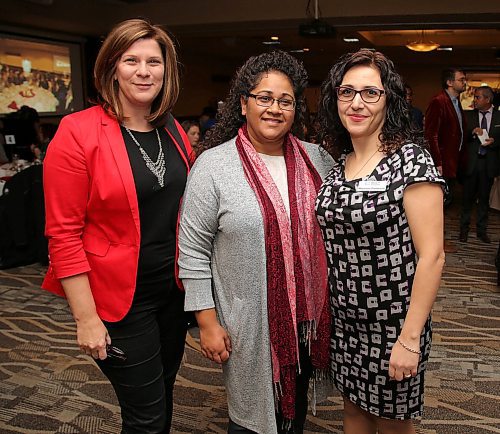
<point>369,95</point>
<point>267,101</point>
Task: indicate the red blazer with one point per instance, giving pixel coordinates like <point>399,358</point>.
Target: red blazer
<point>92,214</point>
<point>442,132</point>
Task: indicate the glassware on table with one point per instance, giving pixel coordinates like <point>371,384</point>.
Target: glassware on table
<point>15,162</point>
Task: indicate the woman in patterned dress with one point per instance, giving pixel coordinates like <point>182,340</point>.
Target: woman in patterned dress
<point>380,208</point>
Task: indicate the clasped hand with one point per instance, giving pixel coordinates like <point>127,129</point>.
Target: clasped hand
<point>215,343</point>
<point>92,337</point>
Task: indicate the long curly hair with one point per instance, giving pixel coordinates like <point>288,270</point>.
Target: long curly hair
<point>229,118</point>
<point>397,129</point>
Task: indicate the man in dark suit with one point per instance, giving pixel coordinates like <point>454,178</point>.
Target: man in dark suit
<point>444,129</point>
<point>417,116</point>
<point>483,162</point>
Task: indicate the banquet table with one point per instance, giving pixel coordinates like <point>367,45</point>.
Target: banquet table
<point>22,215</point>
<point>8,170</point>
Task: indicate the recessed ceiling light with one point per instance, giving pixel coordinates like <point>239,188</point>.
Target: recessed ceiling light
<point>305,49</point>
<point>271,42</point>
<point>296,51</point>
<point>274,38</point>
<point>445,49</point>
<point>351,39</point>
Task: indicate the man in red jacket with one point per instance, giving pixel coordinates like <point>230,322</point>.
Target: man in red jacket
<point>445,126</point>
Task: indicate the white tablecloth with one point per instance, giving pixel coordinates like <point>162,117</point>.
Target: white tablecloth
<point>5,171</point>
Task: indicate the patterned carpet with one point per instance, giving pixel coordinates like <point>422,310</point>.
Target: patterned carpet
<point>48,386</point>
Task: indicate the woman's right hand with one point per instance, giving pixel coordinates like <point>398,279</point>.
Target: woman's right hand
<point>91,334</point>
<point>92,337</point>
<point>214,340</point>
<point>215,343</point>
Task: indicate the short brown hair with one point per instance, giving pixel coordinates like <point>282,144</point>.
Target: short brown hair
<point>448,75</point>
<point>121,37</point>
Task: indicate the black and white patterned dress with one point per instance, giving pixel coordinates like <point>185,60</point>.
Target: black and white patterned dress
<point>372,261</point>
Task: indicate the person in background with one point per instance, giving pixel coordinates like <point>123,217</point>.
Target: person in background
<point>192,129</point>
<point>445,122</point>
<point>444,131</point>
<point>24,125</point>
<point>251,256</point>
<point>380,208</point>
<point>483,162</point>
<point>3,154</point>
<point>416,114</point>
<point>207,119</point>
<point>114,176</point>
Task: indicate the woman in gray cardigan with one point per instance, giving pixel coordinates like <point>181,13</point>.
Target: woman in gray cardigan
<point>251,257</point>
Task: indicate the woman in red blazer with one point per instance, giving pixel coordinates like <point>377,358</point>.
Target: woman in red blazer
<point>114,176</point>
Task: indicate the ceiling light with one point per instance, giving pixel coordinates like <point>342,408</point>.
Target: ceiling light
<point>422,45</point>
<point>274,38</point>
<point>305,49</point>
<point>445,49</point>
<point>351,40</point>
<point>271,42</point>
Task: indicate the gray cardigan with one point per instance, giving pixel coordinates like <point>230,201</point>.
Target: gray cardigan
<point>222,263</point>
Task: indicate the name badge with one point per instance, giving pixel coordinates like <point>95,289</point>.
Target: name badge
<point>371,185</point>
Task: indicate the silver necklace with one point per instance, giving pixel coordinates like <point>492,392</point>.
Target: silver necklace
<point>362,167</point>
<point>157,168</point>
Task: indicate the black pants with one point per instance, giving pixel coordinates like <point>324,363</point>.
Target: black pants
<point>477,186</point>
<point>152,335</point>
<point>300,401</point>
<point>450,193</point>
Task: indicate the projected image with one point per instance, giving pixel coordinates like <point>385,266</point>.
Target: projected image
<point>35,74</point>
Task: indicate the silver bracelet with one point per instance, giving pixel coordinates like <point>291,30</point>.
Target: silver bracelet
<point>407,348</point>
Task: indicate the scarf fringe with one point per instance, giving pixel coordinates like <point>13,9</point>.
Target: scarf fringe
<point>307,332</point>
<point>286,425</point>
<point>278,393</point>
<point>320,386</point>
<point>319,375</point>
<point>314,395</point>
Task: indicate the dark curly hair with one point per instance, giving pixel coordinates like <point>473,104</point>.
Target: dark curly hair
<point>229,118</point>
<point>397,129</point>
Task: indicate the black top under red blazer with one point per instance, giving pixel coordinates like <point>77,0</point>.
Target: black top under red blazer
<point>92,213</point>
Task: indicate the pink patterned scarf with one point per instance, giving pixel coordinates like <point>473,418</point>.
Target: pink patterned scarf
<point>297,292</point>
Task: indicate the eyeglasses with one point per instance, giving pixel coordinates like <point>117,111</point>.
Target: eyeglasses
<point>267,101</point>
<point>461,80</point>
<point>370,95</point>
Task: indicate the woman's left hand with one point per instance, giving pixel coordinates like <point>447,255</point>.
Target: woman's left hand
<point>403,364</point>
